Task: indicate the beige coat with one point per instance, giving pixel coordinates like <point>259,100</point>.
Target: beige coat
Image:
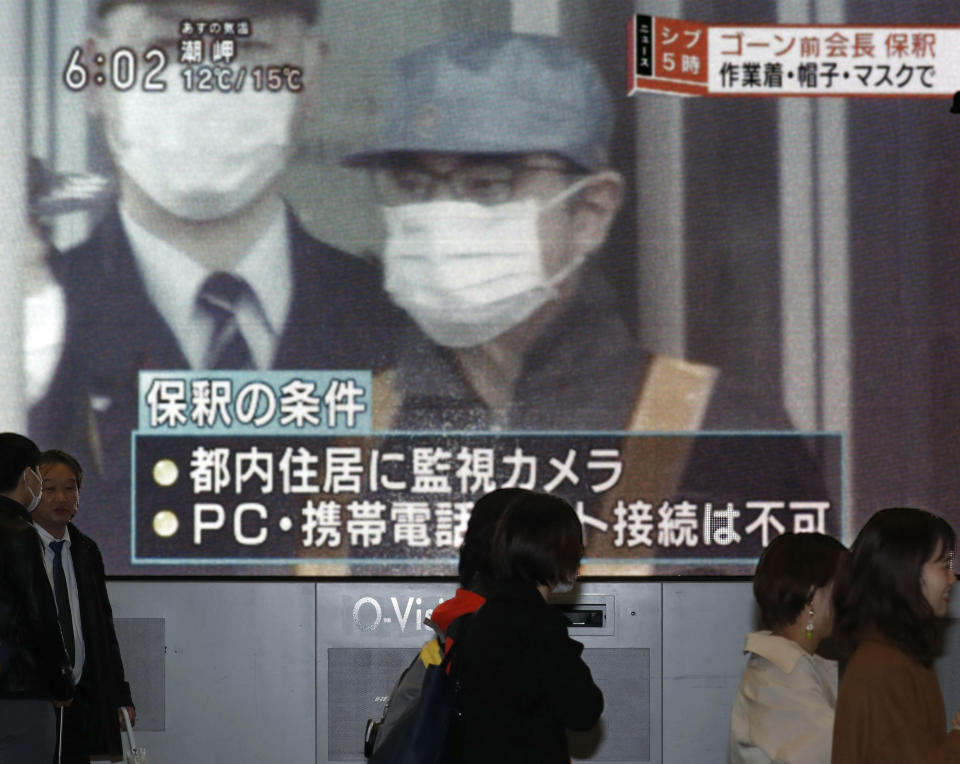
<point>783,710</point>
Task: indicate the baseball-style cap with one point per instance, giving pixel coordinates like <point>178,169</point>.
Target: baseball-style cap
<point>309,9</point>
<point>500,94</point>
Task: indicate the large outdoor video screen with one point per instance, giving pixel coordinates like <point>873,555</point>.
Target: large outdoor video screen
<point>297,283</point>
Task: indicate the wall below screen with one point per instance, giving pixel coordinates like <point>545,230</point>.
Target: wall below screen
<point>251,672</point>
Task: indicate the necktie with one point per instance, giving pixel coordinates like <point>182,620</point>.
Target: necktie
<point>64,614</point>
<point>219,296</point>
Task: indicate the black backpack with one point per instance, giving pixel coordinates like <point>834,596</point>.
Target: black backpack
<point>431,729</point>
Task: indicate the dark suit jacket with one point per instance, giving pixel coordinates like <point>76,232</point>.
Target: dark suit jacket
<point>339,319</point>
<point>91,721</point>
<point>33,661</point>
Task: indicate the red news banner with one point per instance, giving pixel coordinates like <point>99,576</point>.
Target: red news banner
<point>690,58</point>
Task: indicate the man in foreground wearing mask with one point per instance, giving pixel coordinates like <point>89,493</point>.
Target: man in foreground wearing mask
<point>201,265</point>
<point>34,668</point>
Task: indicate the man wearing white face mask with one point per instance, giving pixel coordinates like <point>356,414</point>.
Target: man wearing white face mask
<point>496,190</point>
<point>201,265</point>
<point>498,196</point>
<point>34,668</point>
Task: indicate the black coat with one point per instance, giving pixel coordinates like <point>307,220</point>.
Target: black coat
<point>523,682</point>
<point>339,318</point>
<point>92,724</point>
<point>33,661</point>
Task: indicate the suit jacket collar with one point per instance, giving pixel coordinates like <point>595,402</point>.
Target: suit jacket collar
<point>321,274</point>
<point>16,508</point>
<point>144,343</point>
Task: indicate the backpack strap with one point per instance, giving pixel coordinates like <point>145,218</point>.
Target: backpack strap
<point>456,636</point>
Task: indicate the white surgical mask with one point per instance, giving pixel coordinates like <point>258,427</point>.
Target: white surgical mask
<point>467,272</point>
<point>201,156</point>
<point>35,497</point>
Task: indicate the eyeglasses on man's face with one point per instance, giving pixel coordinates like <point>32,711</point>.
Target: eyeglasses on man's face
<point>482,180</point>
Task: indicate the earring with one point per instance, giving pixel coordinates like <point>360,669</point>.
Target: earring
<point>810,625</point>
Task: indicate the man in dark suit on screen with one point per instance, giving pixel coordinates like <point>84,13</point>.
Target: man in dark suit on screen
<point>201,265</point>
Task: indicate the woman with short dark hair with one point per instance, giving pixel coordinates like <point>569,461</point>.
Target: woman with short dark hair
<point>538,543</point>
<point>892,606</point>
<point>523,681</point>
<point>784,707</point>
<point>475,570</point>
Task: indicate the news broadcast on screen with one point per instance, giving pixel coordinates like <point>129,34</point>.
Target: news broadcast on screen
<point>298,288</point>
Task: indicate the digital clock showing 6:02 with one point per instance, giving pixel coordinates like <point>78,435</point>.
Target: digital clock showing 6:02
<point>119,70</point>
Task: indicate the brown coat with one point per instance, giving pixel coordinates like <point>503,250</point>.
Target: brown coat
<point>890,710</point>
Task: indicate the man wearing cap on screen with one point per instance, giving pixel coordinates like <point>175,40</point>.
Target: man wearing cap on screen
<point>201,265</point>
<point>496,189</point>
<point>497,193</point>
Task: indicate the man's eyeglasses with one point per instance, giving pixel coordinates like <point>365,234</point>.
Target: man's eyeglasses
<point>485,182</point>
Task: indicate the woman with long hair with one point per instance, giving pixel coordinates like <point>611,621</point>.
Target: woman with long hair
<point>783,710</point>
<point>892,604</point>
<point>523,682</point>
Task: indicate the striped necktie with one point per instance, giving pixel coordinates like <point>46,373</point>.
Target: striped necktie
<point>219,296</point>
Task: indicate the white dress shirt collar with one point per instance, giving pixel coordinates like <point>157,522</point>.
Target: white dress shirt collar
<point>173,279</point>
<point>46,537</point>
